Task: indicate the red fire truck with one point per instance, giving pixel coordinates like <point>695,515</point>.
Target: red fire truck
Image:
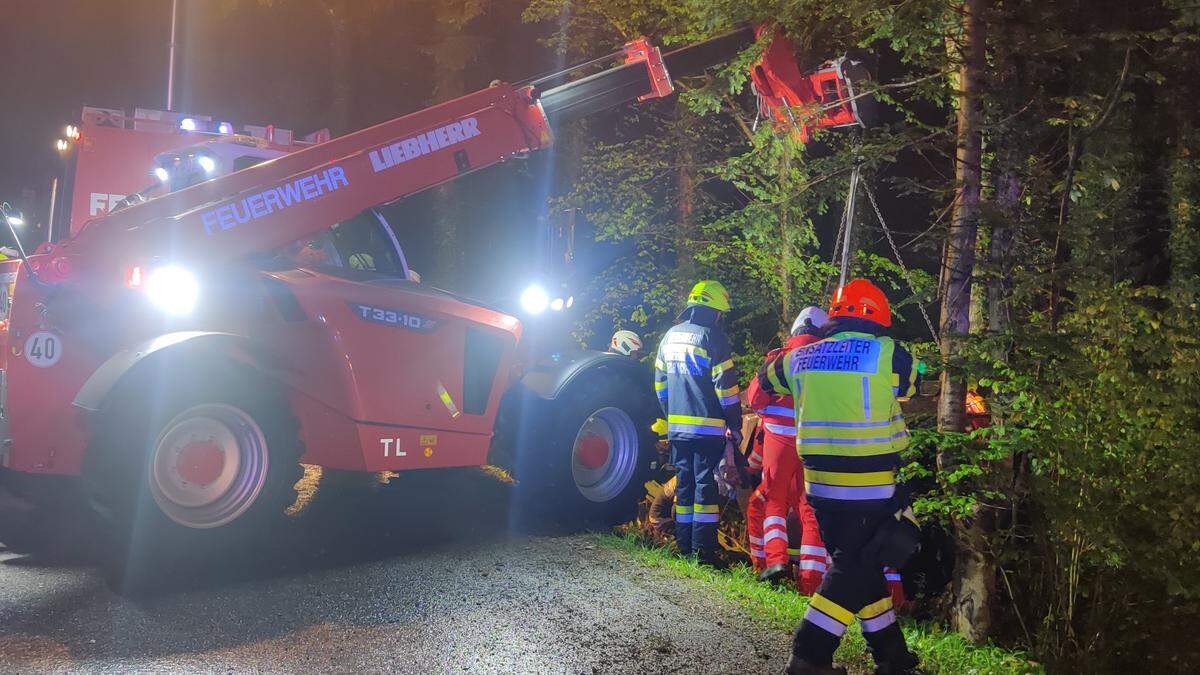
<point>183,354</point>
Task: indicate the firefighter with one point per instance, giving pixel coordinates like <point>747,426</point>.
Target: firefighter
<point>697,387</point>
<point>850,432</point>
<point>778,492</point>
<point>626,342</point>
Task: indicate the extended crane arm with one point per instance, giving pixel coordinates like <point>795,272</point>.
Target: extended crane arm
<point>282,200</point>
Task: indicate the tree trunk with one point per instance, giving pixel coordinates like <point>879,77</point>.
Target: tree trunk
<point>1184,200</point>
<point>685,197</point>
<point>975,573</point>
<point>785,247</point>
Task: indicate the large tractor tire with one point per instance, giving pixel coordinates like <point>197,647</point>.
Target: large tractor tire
<point>591,453</point>
<point>194,466</point>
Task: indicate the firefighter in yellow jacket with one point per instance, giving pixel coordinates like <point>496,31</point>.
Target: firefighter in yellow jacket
<point>849,433</point>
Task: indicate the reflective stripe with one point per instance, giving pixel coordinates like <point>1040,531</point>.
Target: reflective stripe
<point>693,429</point>
<point>879,623</point>
<point>779,411</point>
<point>850,479</point>
<point>812,565</point>
<point>849,493</point>
<point>732,399</point>
<point>854,441</point>
<point>692,424</point>
<point>813,550</point>
<point>683,509</point>
<point>794,552</point>
<point>719,369</point>
<point>866,391</point>
<point>774,520</point>
<point>728,391</point>
<point>849,425</point>
<point>756,540</point>
<point>660,386</point>
<point>706,518</point>
<point>843,615</point>
<point>696,419</point>
<point>683,352</point>
<point>447,401</point>
<point>708,508</point>
<point>780,429</point>
<point>876,608</point>
<point>683,518</point>
<point>775,534</point>
<point>758,553</point>
<point>892,577</point>
<point>824,621</point>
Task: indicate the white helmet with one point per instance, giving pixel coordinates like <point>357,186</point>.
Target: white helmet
<point>625,342</point>
<point>814,317</point>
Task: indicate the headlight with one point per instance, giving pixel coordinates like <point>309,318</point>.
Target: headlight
<point>535,299</point>
<point>207,163</point>
<point>162,174</point>
<point>173,289</point>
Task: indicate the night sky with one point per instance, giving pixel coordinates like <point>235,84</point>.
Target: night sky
<point>255,64</point>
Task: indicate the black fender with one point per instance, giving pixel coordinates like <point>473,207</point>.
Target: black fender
<point>547,381</point>
<point>549,378</point>
<point>124,364</point>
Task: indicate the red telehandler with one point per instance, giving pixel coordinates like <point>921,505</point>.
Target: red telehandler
<point>183,355</point>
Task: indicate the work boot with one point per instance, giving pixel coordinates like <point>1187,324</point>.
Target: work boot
<point>775,574</point>
<point>798,666</point>
<point>904,663</point>
<point>712,559</point>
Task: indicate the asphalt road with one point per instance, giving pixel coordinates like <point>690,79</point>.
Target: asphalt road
<point>425,574</point>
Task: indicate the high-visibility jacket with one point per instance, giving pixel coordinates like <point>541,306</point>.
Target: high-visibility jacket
<point>849,429</point>
<point>695,379</point>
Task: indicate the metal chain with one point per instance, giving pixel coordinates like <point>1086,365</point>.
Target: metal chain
<point>900,261</point>
<point>851,195</point>
<point>837,245</point>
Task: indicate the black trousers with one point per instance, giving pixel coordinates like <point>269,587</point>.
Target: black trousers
<point>854,586</point>
<point>697,498</point>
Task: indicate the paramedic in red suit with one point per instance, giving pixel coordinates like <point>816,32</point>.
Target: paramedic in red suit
<point>767,516</point>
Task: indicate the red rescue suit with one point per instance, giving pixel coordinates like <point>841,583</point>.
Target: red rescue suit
<point>781,491</point>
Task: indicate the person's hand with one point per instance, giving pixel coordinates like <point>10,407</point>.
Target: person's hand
<point>734,435</point>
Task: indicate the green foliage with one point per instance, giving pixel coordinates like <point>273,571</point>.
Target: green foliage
<point>782,610</point>
<point>1087,284</point>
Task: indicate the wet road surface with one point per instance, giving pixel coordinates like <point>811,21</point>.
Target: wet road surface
<point>424,574</point>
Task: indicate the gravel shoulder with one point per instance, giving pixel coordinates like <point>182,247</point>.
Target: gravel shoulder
<point>447,588</point>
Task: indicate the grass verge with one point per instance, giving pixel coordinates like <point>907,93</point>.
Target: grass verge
<point>940,651</point>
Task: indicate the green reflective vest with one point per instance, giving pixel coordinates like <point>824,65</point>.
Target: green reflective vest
<point>849,429</point>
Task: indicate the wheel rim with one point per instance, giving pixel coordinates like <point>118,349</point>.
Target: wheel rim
<point>604,455</point>
<point>209,465</point>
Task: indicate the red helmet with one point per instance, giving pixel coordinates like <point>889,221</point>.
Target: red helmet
<point>863,299</point>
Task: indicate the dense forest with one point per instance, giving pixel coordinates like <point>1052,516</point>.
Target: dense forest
<point>1036,169</point>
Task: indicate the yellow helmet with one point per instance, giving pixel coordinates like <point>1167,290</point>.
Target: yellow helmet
<point>709,293</point>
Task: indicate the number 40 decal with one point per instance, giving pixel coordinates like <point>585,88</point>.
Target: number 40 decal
<point>43,349</point>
